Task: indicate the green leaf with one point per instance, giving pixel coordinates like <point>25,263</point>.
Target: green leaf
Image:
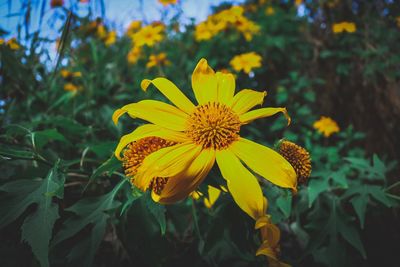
<point>360,206</point>
<point>157,210</point>
<point>89,211</point>
<point>38,226</point>
<point>284,203</point>
<point>43,137</point>
<point>316,187</point>
<point>108,167</point>
<point>15,152</point>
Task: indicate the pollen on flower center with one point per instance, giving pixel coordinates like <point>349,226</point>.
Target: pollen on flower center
<point>137,151</point>
<point>213,125</point>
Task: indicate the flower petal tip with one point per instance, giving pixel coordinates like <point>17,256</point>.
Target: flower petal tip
<point>118,113</point>
<point>145,84</point>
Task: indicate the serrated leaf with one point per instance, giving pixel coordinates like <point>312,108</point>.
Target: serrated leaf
<point>316,187</point>
<point>89,211</point>
<point>38,226</point>
<point>360,206</point>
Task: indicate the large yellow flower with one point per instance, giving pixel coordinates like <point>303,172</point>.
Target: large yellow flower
<point>173,154</point>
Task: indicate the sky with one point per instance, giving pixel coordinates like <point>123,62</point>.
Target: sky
<point>118,13</point>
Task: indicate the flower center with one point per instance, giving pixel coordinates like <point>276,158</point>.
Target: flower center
<point>137,151</point>
<point>298,157</point>
<point>213,125</point>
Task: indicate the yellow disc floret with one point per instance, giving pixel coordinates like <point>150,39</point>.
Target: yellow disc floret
<point>213,125</point>
<point>298,157</point>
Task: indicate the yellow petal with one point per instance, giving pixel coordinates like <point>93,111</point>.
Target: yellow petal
<point>181,185</point>
<point>265,162</point>
<point>146,131</point>
<point>156,112</point>
<point>166,162</point>
<point>262,113</point>
<point>213,195</point>
<point>170,91</point>
<point>226,87</point>
<point>204,83</point>
<point>242,185</point>
<point>246,99</point>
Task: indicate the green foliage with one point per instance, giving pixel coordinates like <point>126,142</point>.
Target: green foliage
<point>83,211</point>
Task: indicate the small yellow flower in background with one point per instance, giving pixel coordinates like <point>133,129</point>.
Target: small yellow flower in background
<point>66,74</point>
<point>398,21</point>
<point>111,38</point>
<point>298,2</point>
<point>349,27</point>
<point>326,126</point>
<point>232,17</point>
<point>133,27</point>
<point>269,11</point>
<point>149,35</point>
<point>71,87</point>
<point>11,43</point>
<point>213,195</point>
<point>167,2</point>
<point>134,55</point>
<point>157,60</point>
<point>246,62</point>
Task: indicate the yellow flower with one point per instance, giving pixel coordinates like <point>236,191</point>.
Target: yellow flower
<point>133,27</point>
<point>110,38</point>
<point>101,32</point>
<point>246,62</point>
<point>157,60</point>
<point>11,43</point>
<point>349,27</point>
<point>232,17</point>
<point>66,74</point>
<point>213,195</point>
<point>174,152</point>
<point>134,54</point>
<point>149,35</point>
<point>247,28</point>
<point>206,30</point>
<point>326,126</point>
<point>269,11</point>
<point>167,2</point>
<point>398,21</point>
<point>71,87</point>
<point>298,2</point>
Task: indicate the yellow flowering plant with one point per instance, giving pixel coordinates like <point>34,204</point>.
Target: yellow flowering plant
<point>197,171</point>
